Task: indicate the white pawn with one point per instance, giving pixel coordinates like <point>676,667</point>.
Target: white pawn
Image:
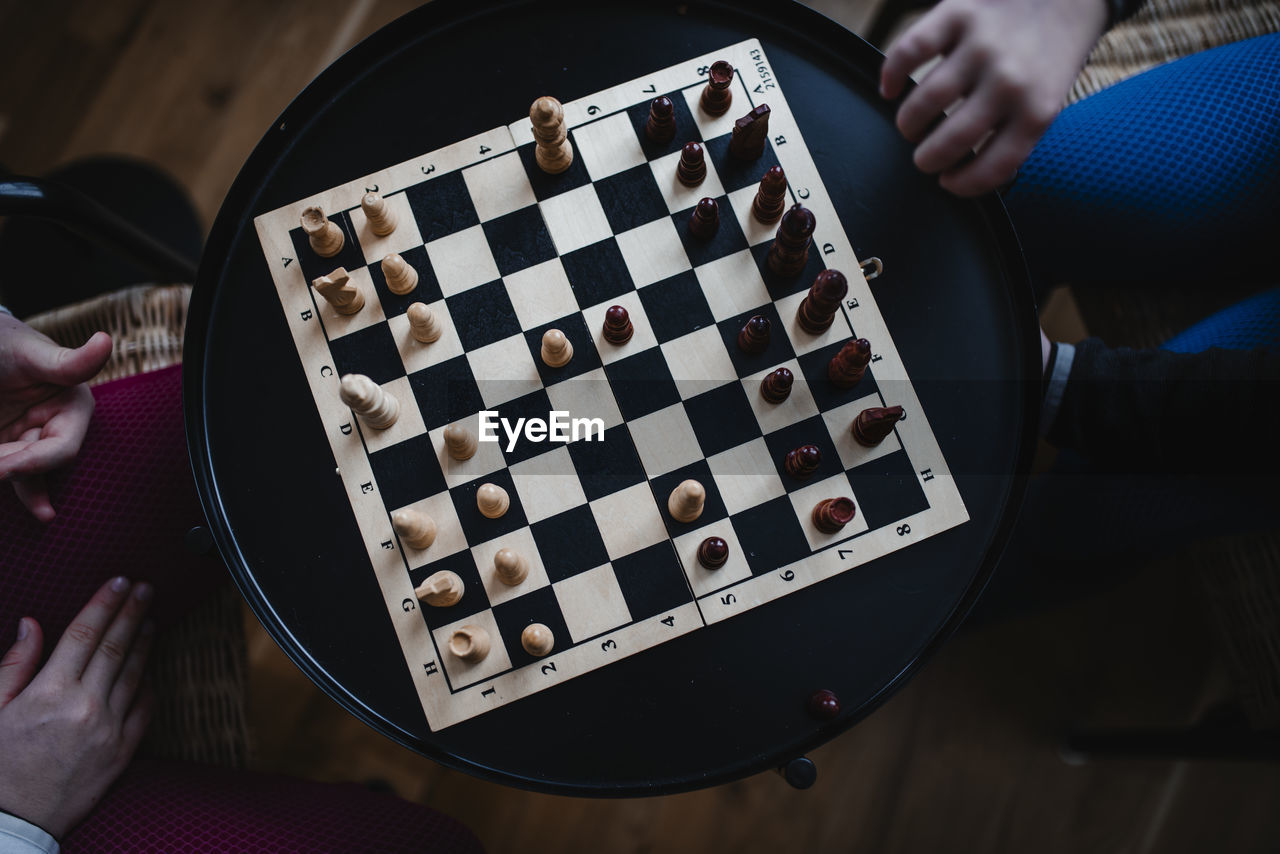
<point>492,501</point>
<point>557,350</point>
<point>417,529</point>
<point>382,219</point>
<point>537,639</point>
<point>510,567</point>
<point>400,275</point>
<point>686,500</point>
<point>460,442</point>
<point>370,401</point>
<point>422,323</point>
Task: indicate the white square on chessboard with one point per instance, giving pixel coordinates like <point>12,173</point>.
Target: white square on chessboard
<point>575,219</point>
<point>592,603</point>
<point>417,355</point>
<point>486,460</point>
<point>746,476</point>
<point>408,424</point>
<point>628,520</point>
<point>449,537</point>
<point>653,252</point>
<point>712,126</point>
<point>840,426</point>
<point>608,146</point>
<point>677,195</point>
<point>467,672</point>
<point>586,396</point>
<point>548,484</point>
<point>732,285</point>
<point>462,260</point>
<point>665,440</point>
<point>756,231</point>
<point>642,337</point>
<point>504,370</point>
<point>699,362</point>
<point>805,342</point>
<point>521,542</point>
<point>798,406</point>
<point>541,293</point>
<point>404,238</point>
<point>706,581</point>
<point>499,186</point>
<point>804,500</point>
<point>336,325</point>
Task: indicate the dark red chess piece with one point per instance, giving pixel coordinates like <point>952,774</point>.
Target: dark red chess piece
<point>693,164</point>
<point>705,219</point>
<point>716,95</point>
<point>750,134</point>
<point>617,325</point>
<point>754,337</point>
<point>771,198</point>
<point>824,705</point>
<point>848,366</point>
<point>790,250</point>
<point>661,126</point>
<point>872,425</point>
<point>803,461</point>
<point>818,308</point>
<point>832,514</point>
<point>713,552</point>
<point>776,386</point>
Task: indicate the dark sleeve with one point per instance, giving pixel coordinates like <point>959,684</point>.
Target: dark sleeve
<point>1118,10</point>
<point>1153,410</point>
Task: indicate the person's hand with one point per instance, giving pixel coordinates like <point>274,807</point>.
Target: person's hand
<point>68,733</point>
<point>44,406</point>
<point>1011,61</point>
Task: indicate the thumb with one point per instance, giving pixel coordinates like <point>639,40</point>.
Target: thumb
<point>67,367</point>
<point>19,663</point>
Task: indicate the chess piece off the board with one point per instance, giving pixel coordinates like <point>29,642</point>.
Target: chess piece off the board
<point>803,461</point>
<point>423,325</point>
<point>510,567</point>
<point>692,168</point>
<point>339,291</point>
<point>374,405</point>
<point>381,217</point>
<point>874,424</point>
<point>754,337</point>
<point>400,275</point>
<point>537,639</point>
<point>440,589</point>
<point>776,385</point>
<point>832,514</point>
<point>750,134</point>
<point>716,95</point>
<point>771,198</point>
<point>492,501</point>
<point>460,443</point>
<point>713,552</point>
<point>847,366</point>
<point>661,125</point>
<point>325,237</point>
<point>617,325</point>
<point>818,309</point>
<point>686,501</point>
<point>417,529</point>
<point>554,152</point>
<point>470,643</point>
<point>790,250</point>
<point>557,350</point>
<point>705,219</point>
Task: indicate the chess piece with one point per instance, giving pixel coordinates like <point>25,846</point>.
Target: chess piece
<point>400,275</point>
<point>771,198</point>
<point>832,514</point>
<point>537,639</point>
<point>441,589</point>
<point>705,219</point>
<point>415,528</point>
<point>776,386</point>
<point>554,152</point>
<point>818,309</point>
<point>686,500</point>
<point>824,705</point>
<point>557,350</point>
<point>693,164</point>
<point>803,461</point>
<point>492,501</point>
<point>509,567</point>
<point>750,134</point>
<point>373,404</point>
<point>790,249</point>
<point>661,126</point>
<point>754,337</point>
<point>470,643</point>
<point>874,424</point>
<point>617,325</point>
<point>460,443</point>
<point>423,325</point>
<point>713,552</point>
<point>325,237</point>
<point>717,96</point>
<point>848,366</point>
<point>340,292</point>
<point>381,217</point>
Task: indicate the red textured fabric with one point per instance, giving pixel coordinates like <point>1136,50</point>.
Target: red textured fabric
<point>180,807</point>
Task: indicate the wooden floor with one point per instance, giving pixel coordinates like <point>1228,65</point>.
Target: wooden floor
<point>963,759</point>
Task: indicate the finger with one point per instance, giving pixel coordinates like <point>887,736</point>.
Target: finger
<point>135,724</point>
<point>947,83</point>
<point>108,659</point>
<point>996,163</point>
<point>67,367</point>
<point>125,688</point>
<point>930,36</point>
<point>56,442</point>
<point>80,640</point>
<point>960,132</point>
<point>20,662</point>
<point>34,495</point>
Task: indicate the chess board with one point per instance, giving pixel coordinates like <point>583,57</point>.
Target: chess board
<point>505,252</point>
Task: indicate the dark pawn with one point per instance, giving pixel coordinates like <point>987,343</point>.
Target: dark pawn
<point>818,309</point>
<point>803,461</point>
<point>705,219</point>
<point>776,387</point>
<point>661,127</point>
<point>693,165</point>
<point>872,425</point>
<point>716,96</point>
<point>754,337</point>
<point>790,250</point>
<point>771,198</point>
<point>824,705</point>
<point>617,325</point>
<point>848,366</point>
<point>832,514</point>
<point>750,134</point>
<point>713,552</point>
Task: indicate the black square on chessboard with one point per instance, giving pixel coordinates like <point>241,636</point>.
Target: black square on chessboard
<point>826,394</point>
<point>652,581</point>
<point>370,351</point>
<point>727,240</point>
<point>734,173</point>
<point>778,351</point>
<point>811,431</point>
<point>770,535</point>
<point>585,358</point>
<point>442,206</point>
<point>473,599</point>
<point>350,257</point>
<point>427,290</point>
<point>686,127</point>
<point>477,527</point>
<point>545,186</point>
<point>780,286</point>
<point>608,466</point>
<point>713,509</point>
<point>407,471</point>
<point>631,198</point>
<point>722,418</point>
<point>538,606</point>
<point>483,315</point>
<point>519,239</point>
<point>446,392</point>
<point>887,489</point>
<point>676,306</point>
<point>535,404</point>
<point>642,383</point>
<point>597,273</point>
<point>569,543</point>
